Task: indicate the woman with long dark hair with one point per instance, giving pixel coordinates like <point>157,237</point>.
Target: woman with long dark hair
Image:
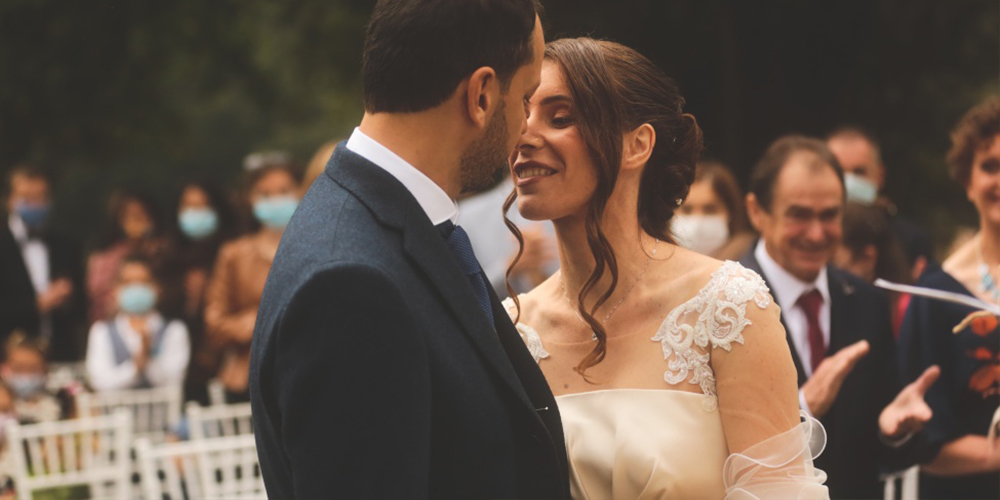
<point>671,369</point>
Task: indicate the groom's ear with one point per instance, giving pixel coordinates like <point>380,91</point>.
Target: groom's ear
<point>482,94</point>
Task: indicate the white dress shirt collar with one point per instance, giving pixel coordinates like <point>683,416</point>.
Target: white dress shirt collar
<point>784,285</point>
<point>438,206</point>
<point>18,228</point>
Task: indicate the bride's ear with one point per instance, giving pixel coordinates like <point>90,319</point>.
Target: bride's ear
<point>638,147</point>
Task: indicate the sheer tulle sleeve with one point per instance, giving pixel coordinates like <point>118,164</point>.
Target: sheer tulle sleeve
<point>780,466</point>
<point>771,447</point>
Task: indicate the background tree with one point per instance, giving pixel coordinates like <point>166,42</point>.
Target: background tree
<point>113,93</point>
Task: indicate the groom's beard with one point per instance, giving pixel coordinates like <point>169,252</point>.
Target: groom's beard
<point>485,162</point>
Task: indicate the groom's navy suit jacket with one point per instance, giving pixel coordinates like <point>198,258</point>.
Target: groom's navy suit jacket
<point>854,454</point>
<point>375,374</point>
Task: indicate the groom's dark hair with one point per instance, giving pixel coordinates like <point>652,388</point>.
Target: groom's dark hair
<point>417,51</point>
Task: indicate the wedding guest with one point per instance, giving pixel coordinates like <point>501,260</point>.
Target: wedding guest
<point>205,220</point>
<point>869,249</point>
<point>41,276</point>
<point>134,227</point>
<point>712,220</point>
<point>273,191</point>
<point>860,155</point>
<point>137,347</point>
<point>839,326</point>
<point>961,461</point>
<point>24,370</point>
<point>7,414</point>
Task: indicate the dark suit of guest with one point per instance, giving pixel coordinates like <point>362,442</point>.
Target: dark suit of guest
<point>374,371</point>
<point>854,454</point>
<point>18,297</point>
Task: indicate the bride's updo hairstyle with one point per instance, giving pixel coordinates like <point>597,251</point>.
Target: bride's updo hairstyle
<point>615,90</point>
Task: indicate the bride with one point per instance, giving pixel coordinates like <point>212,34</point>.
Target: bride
<point>671,369</point>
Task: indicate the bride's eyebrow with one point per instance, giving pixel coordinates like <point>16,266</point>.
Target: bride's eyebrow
<point>556,98</point>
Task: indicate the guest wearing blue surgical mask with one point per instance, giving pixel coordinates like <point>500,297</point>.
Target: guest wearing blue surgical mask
<point>272,191</point>
<point>25,371</point>
<point>205,220</point>
<point>41,272</point>
<point>137,347</point>
<point>858,151</point>
<point>712,220</point>
<point>134,226</point>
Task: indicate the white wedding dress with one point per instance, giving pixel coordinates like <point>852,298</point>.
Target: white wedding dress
<point>643,443</point>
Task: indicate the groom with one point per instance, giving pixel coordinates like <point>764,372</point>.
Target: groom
<point>383,366</point>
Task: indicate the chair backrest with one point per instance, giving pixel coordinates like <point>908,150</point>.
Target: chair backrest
<point>218,420</point>
<point>87,451</point>
<point>155,412</point>
<point>909,484</point>
<point>216,392</point>
<point>65,374</point>
<point>223,467</point>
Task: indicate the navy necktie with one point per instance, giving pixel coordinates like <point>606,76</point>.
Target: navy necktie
<point>461,249</point>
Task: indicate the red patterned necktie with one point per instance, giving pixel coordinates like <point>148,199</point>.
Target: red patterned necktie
<point>810,302</point>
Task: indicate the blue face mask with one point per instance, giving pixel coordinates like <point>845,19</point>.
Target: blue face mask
<point>137,298</point>
<point>198,223</point>
<point>275,211</point>
<point>26,386</point>
<point>33,216</point>
<point>860,189</point>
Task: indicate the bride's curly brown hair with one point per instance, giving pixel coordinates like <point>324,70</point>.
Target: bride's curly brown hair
<point>615,90</point>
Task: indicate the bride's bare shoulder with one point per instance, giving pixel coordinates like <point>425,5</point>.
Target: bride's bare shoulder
<point>688,270</point>
<point>533,305</point>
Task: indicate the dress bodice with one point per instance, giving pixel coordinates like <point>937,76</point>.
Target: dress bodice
<point>620,445</point>
<point>670,442</point>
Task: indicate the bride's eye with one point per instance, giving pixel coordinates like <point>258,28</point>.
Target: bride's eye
<point>561,121</point>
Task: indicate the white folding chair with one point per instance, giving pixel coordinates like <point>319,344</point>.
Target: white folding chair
<point>92,452</point>
<point>216,392</point>
<point>156,412</point>
<point>909,482</point>
<point>223,467</point>
<point>64,374</point>
<point>218,420</point>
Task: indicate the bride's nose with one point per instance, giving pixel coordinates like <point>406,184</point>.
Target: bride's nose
<point>529,139</point>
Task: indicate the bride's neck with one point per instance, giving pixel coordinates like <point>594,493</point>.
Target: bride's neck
<point>632,248</point>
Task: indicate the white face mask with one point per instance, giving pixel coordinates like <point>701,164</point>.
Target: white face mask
<point>860,189</point>
<point>704,234</point>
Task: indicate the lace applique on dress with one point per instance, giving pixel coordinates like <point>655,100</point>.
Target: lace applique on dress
<point>717,315</point>
<point>528,334</point>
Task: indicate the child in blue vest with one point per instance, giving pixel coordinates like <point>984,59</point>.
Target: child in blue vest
<point>137,347</point>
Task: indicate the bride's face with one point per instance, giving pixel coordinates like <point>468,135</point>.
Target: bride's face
<point>551,166</point>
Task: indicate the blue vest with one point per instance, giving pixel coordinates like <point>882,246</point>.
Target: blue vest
<point>121,351</point>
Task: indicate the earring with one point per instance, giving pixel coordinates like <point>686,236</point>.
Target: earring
<point>680,202</point>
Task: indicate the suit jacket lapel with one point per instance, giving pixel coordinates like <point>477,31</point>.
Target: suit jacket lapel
<point>532,380</point>
<point>393,205</point>
<point>840,290</point>
<point>749,261</point>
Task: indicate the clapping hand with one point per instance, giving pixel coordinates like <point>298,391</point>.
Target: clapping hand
<point>55,296</point>
<point>908,413</point>
<point>823,386</point>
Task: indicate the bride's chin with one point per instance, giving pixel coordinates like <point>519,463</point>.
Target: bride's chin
<point>533,211</point>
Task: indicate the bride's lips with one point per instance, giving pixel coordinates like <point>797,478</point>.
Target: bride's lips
<point>528,172</point>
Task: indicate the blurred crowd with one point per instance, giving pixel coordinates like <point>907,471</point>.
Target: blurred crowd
<point>170,297</point>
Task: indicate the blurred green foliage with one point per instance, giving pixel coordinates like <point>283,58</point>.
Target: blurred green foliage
<point>111,93</point>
